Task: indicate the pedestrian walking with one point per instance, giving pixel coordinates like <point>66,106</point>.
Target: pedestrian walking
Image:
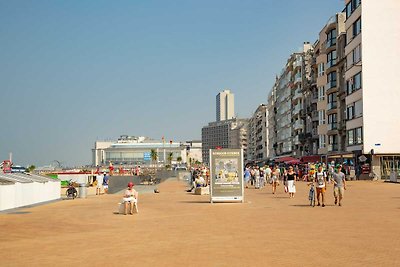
<point>257,177</point>
<point>262,178</point>
<point>290,181</point>
<point>247,177</point>
<point>99,186</point>
<point>320,182</point>
<point>106,180</point>
<point>339,181</point>
<point>275,178</point>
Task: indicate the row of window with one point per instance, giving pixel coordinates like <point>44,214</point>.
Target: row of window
<point>354,137</point>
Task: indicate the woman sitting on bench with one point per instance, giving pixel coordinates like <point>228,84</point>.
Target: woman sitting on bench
<point>130,198</point>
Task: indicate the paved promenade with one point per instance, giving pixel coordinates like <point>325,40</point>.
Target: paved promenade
<point>175,228</point>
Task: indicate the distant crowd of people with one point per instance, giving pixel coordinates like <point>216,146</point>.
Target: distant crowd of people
<point>318,176</point>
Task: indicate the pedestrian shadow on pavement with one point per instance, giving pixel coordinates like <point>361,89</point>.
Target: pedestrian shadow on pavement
<point>308,205</point>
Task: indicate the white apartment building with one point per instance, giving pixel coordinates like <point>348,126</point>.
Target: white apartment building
<point>225,105</point>
<point>373,83</point>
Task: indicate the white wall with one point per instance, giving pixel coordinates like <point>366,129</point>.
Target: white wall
<point>380,23</point>
<point>23,194</point>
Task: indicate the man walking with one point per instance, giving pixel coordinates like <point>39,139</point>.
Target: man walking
<point>339,181</point>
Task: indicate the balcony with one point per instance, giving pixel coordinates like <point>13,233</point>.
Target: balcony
<point>331,105</point>
<point>333,147</point>
<point>297,79</point>
<point>297,94</point>
<point>314,115</point>
<point>332,126</point>
<point>296,140</point>
<point>297,109</point>
<point>298,125</point>
<point>330,43</point>
<point>330,84</point>
<point>331,63</point>
<point>297,63</point>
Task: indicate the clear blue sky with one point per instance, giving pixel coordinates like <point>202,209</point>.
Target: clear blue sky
<point>73,72</point>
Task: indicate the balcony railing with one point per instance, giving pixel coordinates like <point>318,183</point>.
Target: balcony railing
<point>333,147</point>
<point>331,105</point>
<point>297,63</point>
<point>331,63</point>
<point>331,84</point>
<point>330,42</point>
<point>297,94</point>
<point>332,126</point>
<point>297,109</point>
<point>299,124</point>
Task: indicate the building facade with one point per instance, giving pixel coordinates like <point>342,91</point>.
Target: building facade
<point>258,135</point>
<point>132,150</point>
<point>224,134</point>
<point>225,105</point>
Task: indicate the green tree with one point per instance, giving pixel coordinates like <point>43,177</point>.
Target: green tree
<point>170,157</point>
<point>31,168</point>
<point>179,159</point>
<point>154,156</point>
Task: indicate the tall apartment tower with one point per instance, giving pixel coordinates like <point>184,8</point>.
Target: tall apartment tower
<point>225,105</point>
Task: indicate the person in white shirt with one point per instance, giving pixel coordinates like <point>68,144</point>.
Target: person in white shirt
<point>320,184</point>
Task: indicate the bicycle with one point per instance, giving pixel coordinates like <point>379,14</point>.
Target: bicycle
<point>311,195</point>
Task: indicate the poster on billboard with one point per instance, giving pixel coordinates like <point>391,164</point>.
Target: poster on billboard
<point>226,173</point>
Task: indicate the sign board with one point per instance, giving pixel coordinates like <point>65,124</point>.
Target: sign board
<point>362,158</point>
<point>226,174</point>
<point>146,156</point>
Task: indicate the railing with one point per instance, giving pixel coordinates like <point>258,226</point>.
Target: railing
<point>297,94</point>
<point>299,124</point>
<point>333,147</point>
<point>330,43</point>
<point>331,63</point>
<point>332,126</point>
<point>331,105</point>
<point>297,109</point>
<point>331,84</point>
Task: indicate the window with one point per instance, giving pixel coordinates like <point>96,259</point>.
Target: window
<point>354,83</point>
<point>357,27</point>
<point>357,54</point>
<point>332,118</point>
<point>350,137</point>
<point>321,117</point>
<point>321,69</point>
<point>350,112</point>
<point>331,79</point>
<point>354,136</point>
<point>322,141</point>
<point>331,59</point>
<point>331,38</point>
<point>321,93</point>
<point>351,6</point>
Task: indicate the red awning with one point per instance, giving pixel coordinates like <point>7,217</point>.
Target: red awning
<point>295,161</point>
<point>313,158</point>
<point>284,159</point>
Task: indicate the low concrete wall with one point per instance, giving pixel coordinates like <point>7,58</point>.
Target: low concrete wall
<point>24,194</point>
<point>118,183</point>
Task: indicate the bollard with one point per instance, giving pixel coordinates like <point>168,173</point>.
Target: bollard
<point>82,190</point>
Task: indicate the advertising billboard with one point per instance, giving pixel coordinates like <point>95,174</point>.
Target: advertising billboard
<point>226,173</point>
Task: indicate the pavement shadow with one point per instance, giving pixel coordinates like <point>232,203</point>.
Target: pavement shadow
<point>195,201</point>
